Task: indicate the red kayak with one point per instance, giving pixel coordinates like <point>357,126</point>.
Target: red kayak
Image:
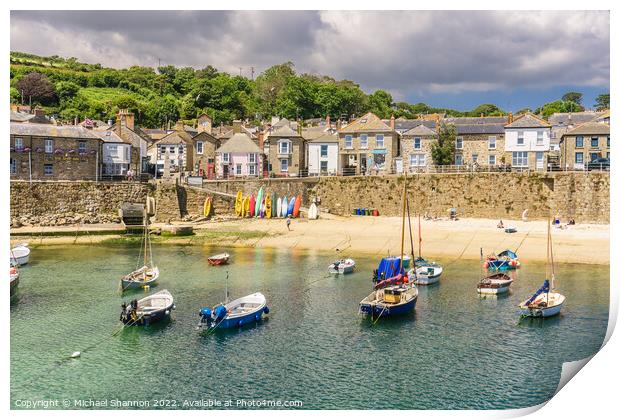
<point>219,259</point>
<point>252,205</point>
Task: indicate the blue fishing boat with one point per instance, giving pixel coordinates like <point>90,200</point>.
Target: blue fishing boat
<point>505,260</point>
<point>393,293</point>
<point>237,313</point>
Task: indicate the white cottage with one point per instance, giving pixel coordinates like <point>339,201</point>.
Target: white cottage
<point>115,154</point>
<point>323,154</point>
<point>528,141</point>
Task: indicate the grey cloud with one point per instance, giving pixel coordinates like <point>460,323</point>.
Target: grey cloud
<point>402,51</point>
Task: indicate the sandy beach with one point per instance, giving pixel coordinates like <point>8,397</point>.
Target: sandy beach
<point>443,240</point>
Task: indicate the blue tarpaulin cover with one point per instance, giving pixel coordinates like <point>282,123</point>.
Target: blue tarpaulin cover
<point>544,289</point>
<point>390,267</point>
<point>507,253</point>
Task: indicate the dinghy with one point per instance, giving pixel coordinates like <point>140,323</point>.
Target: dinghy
<point>239,312</point>
<point>545,302</point>
<point>505,260</point>
<point>20,254</point>
<point>219,259</point>
<point>425,274</point>
<point>148,274</point>
<point>148,310</point>
<point>494,284</point>
<point>343,266</point>
<point>14,279</point>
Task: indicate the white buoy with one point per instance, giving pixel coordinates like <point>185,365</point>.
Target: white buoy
<point>76,355</point>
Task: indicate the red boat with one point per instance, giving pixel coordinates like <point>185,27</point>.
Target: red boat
<point>219,259</point>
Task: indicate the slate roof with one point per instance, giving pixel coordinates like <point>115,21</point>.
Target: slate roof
<point>528,120</point>
<point>420,130</point>
<point>591,127</point>
<point>479,128</point>
<point>477,120</point>
<point>51,130</point>
<point>176,137</point>
<point>283,131</point>
<point>134,137</point>
<point>402,125</point>
<point>574,118</point>
<point>239,143</point>
<point>109,136</point>
<point>368,122</point>
<point>330,136</point>
<point>20,116</point>
<point>311,133</point>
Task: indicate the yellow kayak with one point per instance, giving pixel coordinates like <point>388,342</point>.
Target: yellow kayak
<point>246,206</point>
<point>207,207</point>
<point>239,204</point>
<point>268,207</point>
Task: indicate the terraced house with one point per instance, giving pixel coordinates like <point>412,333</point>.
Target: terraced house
<point>415,145</point>
<point>368,146</point>
<point>528,141</point>
<point>479,140</point>
<point>238,156</point>
<point>173,153</point>
<point>205,144</point>
<point>52,152</point>
<point>285,149</point>
<point>585,143</point>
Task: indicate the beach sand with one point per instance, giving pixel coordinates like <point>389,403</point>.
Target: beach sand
<point>443,240</point>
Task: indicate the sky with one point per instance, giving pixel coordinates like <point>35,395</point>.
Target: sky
<point>452,59</point>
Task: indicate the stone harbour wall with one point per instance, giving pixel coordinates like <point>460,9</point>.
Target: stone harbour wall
<point>579,195</point>
<point>71,202</point>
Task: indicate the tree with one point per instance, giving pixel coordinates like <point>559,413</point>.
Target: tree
<point>602,102</point>
<point>487,110</point>
<point>380,104</point>
<point>36,86</point>
<point>66,90</point>
<point>442,149</point>
<point>551,108</point>
<point>575,97</point>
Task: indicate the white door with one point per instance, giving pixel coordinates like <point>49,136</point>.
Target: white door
<point>399,165</point>
<point>539,160</point>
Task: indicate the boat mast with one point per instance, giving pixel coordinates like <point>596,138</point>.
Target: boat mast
<point>551,261</point>
<point>419,237</point>
<point>402,231</point>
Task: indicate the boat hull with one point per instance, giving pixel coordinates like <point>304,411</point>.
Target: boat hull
<point>20,255</point>
<point>534,311</point>
<point>218,261</point>
<point>150,319</point>
<point>14,284</point>
<point>145,313</point>
<point>493,291</point>
<point>384,310</point>
<point>234,319</point>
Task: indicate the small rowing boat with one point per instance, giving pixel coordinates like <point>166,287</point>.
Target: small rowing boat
<point>219,259</point>
<point>20,254</point>
<point>148,310</point>
<point>494,284</point>
<point>505,260</point>
<point>343,266</point>
<point>14,279</point>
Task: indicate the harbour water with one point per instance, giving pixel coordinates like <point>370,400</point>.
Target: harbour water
<point>456,351</point>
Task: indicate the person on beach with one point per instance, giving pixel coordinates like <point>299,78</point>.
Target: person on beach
<point>500,225</point>
<point>288,223</point>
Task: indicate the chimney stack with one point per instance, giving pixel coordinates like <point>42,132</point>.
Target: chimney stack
<point>510,118</point>
<point>392,122</point>
<point>39,112</point>
<point>327,121</point>
<point>236,126</point>
<point>125,118</point>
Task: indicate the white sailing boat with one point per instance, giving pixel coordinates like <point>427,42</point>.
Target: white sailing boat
<point>427,272</point>
<point>546,301</point>
<point>148,274</point>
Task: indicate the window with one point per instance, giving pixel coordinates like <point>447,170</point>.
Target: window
<point>380,161</point>
<point>49,146</point>
<point>113,150</point>
<point>363,141</point>
<point>19,143</point>
<point>594,142</point>
<point>180,150</point>
<point>13,167</point>
<point>252,169</point>
<point>459,143</point>
<point>252,158</point>
<point>171,149</point>
<point>48,169</point>
<point>539,138</point>
<point>474,157</point>
<point>579,142</point>
<point>348,142</point>
<point>417,160</point>
<point>593,156</point>
<point>458,159</point>
<point>519,159</point>
<point>608,142</point>
<point>491,159</point>
<point>225,157</point>
<point>127,151</point>
<point>238,171</point>
<point>607,155</point>
<point>520,140</point>
<point>82,147</point>
<point>284,147</point>
<point>579,158</point>
<point>162,150</point>
<point>323,166</point>
<point>417,143</point>
<point>284,165</point>
<point>380,141</point>
<point>323,150</point>
<point>492,142</point>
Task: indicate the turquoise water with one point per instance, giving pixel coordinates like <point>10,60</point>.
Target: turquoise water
<point>456,351</point>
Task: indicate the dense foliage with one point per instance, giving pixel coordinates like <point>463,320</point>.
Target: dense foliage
<point>160,96</point>
<point>442,149</point>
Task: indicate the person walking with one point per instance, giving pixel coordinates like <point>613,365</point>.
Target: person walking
<point>288,223</point>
